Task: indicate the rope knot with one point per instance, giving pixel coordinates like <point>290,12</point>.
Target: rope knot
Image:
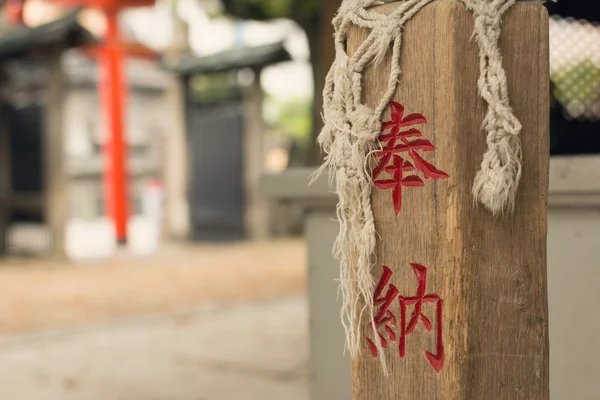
<point>350,7</point>
<point>487,20</point>
<point>484,7</point>
<point>498,179</point>
<point>366,124</point>
<point>333,119</point>
<point>496,187</point>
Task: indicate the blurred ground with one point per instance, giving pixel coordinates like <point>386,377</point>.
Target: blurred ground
<point>190,323</point>
<point>38,295</point>
<point>256,352</point>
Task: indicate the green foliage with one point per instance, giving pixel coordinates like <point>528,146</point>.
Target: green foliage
<point>277,8</point>
<point>294,119</point>
<point>211,88</point>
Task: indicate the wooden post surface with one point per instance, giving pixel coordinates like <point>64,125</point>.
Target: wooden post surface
<point>478,282</point>
<point>56,195</point>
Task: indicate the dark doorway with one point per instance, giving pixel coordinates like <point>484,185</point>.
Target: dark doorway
<point>216,190</point>
<point>25,125</point>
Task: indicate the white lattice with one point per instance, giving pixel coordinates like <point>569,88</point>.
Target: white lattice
<point>575,66</point>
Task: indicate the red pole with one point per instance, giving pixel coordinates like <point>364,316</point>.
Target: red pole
<point>112,90</point>
<point>14,11</point>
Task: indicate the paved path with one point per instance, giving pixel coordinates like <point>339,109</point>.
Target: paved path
<point>256,352</point>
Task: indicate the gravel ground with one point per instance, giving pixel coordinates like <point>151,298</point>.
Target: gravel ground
<point>37,295</point>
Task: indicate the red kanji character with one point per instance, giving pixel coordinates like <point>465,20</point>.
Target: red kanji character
<point>397,170</point>
<point>391,149</point>
<point>386,153</point>
<point>436,360</point>
<point>384,316</point>
<point>398,121</point>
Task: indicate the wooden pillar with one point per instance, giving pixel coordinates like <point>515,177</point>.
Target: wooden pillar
<point>176,166</point>
<point>56,198</point>
<point>257,212</point>
<point>5,178</point>
<point>477,282</point>
<point>176,171</point>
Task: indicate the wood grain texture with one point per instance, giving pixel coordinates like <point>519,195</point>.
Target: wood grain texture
<point>490,272</point>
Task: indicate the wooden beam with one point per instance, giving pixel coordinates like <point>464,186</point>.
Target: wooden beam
<point>55,176</point>
<point>481,280</point>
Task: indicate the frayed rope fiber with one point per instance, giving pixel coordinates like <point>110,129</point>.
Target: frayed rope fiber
<point>351,128</point>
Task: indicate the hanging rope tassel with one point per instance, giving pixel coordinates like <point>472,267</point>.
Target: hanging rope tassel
<point>497,182</point>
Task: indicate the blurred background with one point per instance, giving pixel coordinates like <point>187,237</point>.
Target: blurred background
<point>156,228</point>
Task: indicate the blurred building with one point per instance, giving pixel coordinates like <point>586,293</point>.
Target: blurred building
<point>32,88</point>
<point>147,122</point>
<point>55,136</point>
<point>225,142</point>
